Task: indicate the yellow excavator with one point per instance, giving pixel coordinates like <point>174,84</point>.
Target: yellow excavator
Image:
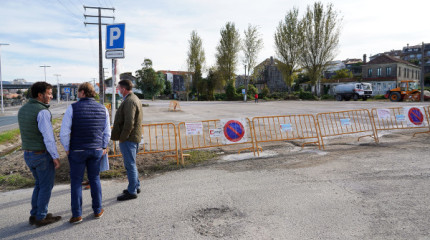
<point>407,90</point>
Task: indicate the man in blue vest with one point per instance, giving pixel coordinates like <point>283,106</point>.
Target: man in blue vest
<point>85,134</point>
<point>40,150</point>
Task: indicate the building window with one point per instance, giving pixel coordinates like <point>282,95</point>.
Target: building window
<point>428,53</point>
<point>369,72</point>
<point>388,71</point>
<point>378,72</point>
<point>400,71</point>
<point>419,56</point>
<point>404,72</point>
<point>411,56</point>
<point>408,73</point>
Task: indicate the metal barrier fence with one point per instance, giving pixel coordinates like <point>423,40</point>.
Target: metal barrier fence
<point>205,141</point>
<point>157,138</point>
<point>395,119</point>
<point>345,122</point>
<point>288,127</point>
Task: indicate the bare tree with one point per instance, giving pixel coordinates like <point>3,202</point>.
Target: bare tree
<point>251,46</point>
<point>287,44</point>
<point>195,58</point>
<point>320,33</point>
<point>227,52</point>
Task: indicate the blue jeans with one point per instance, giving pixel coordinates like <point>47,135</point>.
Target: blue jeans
<point>78,160</point>
<point>129,151</point>
<point>42,168</point>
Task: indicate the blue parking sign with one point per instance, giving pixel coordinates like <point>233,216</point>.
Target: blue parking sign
<point>115,36</point>
<point>66,90</point>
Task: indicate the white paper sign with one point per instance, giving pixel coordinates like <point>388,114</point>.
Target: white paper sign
<point>194,128</point>
<point>383,114</point>
<point>215,133</point>
<point>345,122</point>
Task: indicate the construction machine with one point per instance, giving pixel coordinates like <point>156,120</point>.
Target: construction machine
<point>407,90</point>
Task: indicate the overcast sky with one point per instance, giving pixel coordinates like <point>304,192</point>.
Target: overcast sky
<point>52,32</point>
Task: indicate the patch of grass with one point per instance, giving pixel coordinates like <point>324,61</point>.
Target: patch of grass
<point>9,135</point>
<point>15,181</point>
<point>113,173</point>
<point>198,157</point>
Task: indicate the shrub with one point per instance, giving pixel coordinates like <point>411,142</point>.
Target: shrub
<point>327,97</point>
<point>306,95</point>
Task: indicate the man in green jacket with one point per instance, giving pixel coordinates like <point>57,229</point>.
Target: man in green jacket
<point>127,129</point>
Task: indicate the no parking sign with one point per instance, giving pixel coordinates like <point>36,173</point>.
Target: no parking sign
<point>414,116</point>
<point>234,130</point>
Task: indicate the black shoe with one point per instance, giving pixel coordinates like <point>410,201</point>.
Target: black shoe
<point>47,220</point>
<point>32,219</point>
<point>126,196</point>
<point>125,190</point>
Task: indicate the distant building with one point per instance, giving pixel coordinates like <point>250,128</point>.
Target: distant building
<point>333,67</point>
<point>385,72</point>
<point>177,79</point>
<point>269,75</point>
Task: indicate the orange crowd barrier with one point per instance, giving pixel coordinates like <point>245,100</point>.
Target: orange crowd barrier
<point>395,119</point>
<point>284,128</point>
<point>345,122</point>
<point>157,138</point>
<point>191,142</point>
<point>174,106</point>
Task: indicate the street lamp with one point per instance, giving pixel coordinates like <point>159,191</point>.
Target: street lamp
<point>1,80</point>
<point>44,67</point>
<point>58,87</point>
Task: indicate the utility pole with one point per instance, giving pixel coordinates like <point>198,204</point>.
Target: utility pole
<point>1,80</point>
<point>99,23</point>
<point>58,87</point>
<point>94,82</point>
<point>44,68</point>
<point>423,60</point>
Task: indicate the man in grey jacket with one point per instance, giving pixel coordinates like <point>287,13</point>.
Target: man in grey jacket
<point>127,129</point>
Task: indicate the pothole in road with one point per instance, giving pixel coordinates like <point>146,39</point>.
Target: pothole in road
<point>217,222</point>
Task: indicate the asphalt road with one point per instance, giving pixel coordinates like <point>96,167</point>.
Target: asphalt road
<point>350,191</point>
<point>9,120</point>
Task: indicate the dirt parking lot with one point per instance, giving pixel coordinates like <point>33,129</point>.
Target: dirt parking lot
<point>350,190</point>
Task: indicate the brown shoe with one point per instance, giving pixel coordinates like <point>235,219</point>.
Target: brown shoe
<point>47,220</point>
<point>76,220</point>
<point>99,215</point>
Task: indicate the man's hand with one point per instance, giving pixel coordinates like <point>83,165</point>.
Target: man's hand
<point>56,163</point>
<point>104,151</point>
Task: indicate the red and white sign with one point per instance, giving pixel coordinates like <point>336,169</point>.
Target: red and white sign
<point>234,130</point>
<point>415,116</point>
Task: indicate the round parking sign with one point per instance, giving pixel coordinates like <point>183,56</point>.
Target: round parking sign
<point>234,130</point>
<point>415,116</point>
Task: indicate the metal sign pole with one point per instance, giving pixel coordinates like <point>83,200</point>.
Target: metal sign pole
<point>113,105</point>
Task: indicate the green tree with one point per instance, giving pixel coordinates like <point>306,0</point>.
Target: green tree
<point>342,73</point>
<point>288,46</point>
<point>149,82</point>
<point>227,53</point>
<point>195,58</point>
<point>252,44</point>
<point>320,39</point>
<point>168,88</point>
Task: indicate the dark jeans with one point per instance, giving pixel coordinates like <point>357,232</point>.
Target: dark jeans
<point>42,168</point>
<point>78,160</point>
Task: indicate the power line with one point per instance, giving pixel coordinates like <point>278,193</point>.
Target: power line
<point>99,23</point>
